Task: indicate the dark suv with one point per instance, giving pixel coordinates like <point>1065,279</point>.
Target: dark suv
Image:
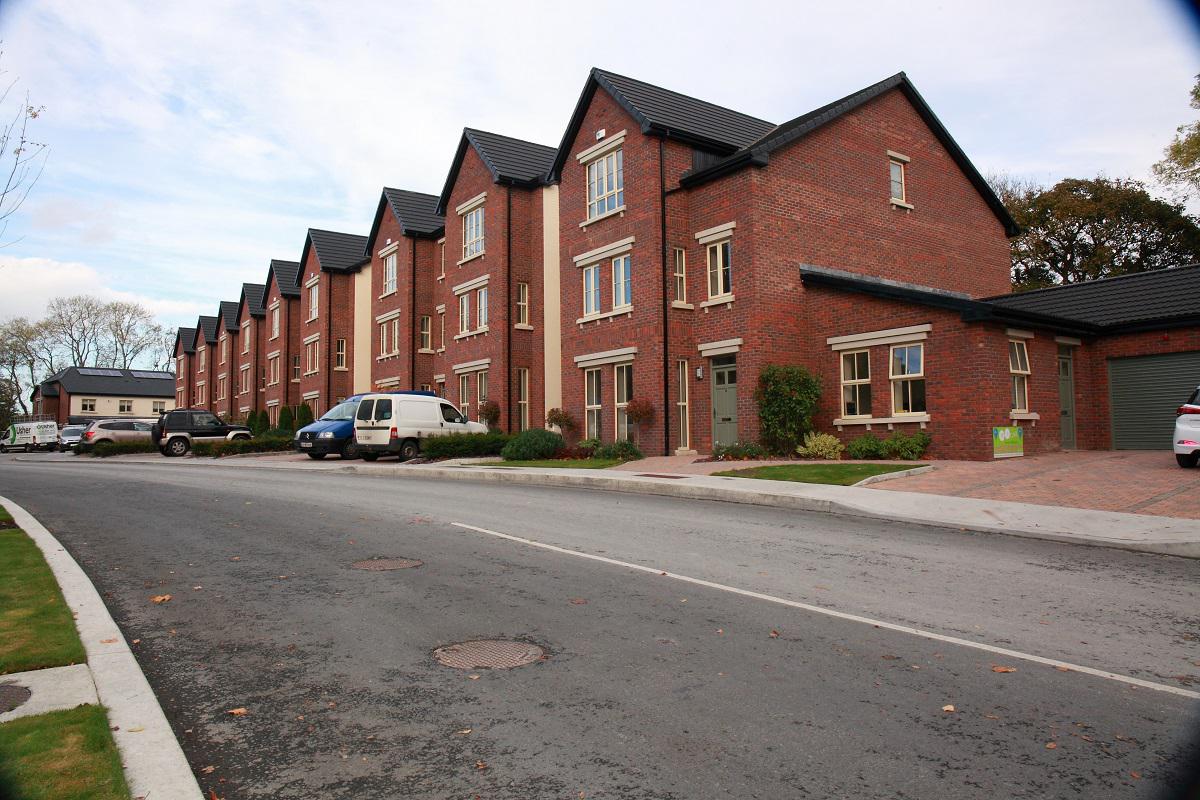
<point>177,430</point>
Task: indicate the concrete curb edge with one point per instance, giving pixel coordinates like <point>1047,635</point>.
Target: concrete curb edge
<point>155,766</point>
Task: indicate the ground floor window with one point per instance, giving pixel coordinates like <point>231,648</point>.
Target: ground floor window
<point>296,367</point>
<point>1018,365</point>
<point>159,406</point>
<point>273,415</point>
<point>464,395</point>
<point>244,377</point>
<point>124,406</point>
<point>592,404</point>
<point>481,387</point>
<point>88,405</point>
<point>623,391</point>
<point>907,373</point>
<point>523,399</point>
<point>682,405</point>
<point>856,384</point>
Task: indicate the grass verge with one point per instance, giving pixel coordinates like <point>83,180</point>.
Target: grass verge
<point>832,473</point>
<point>36,627</point>
<point>63,755</point>
<point>558,463</point>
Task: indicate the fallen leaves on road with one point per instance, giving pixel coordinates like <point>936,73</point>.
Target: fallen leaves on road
<point>472,677</point>
<point>235,558</point>
<point>160,599</point>
<point>108,641</point>
<point>990,716</point>
<point>481,765</point>
<point>237,712</point>
<point>464,731</point>
<point>1051,745</point>
<point>197,588</point>
<point>1062,668</point>
<point>579,601</point>
<point>212,795</point>
<point>774,634</point>
<point>1003,669</point>
<point>208,770</point>
<point>948,708</point>
<point>137,641</point>
<point>889,657</point>
<point>135,729</point>
<point>1137,776</point>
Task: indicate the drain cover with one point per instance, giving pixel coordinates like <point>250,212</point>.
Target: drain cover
<point>488,654</point>
<point>384,564</point>
<point>12,696</point>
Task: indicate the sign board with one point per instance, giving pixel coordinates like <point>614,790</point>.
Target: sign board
<point>1008,442</point>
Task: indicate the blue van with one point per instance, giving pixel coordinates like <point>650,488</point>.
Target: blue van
<point>334,431</point>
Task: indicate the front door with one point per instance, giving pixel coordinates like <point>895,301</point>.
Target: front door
<point>1066,396</point>
<point>724,394</point>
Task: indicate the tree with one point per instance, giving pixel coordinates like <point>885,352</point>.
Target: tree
<point>304,415</point>
<point>78,324</point>
<point>1083,229</point>
<point>129,331</point>
<point>1180,167</point>
<point>21,158</point>
<point>286,421</point>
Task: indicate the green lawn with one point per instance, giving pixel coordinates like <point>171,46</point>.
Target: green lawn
<point>839,474</point>
<point>36,627</point>
<point>558,463</point>
<point>63,755</point>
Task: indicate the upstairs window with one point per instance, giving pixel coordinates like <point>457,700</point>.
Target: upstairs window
<point>606,184</point>
<point>295,368</point>
<point>426,333</point>
<point>622,287</point>
<point>907,373</point>
<point>680,261</point>
<point>339,354</point>
<point>591,290</point>
<point>245,337</point>
<point>897,164</point>
<point>275,322</point>
<point>720,269</point>
<point>314,300</point>
<point>522,303</point>
<point>1018,366</point>
<point>124,406</point>
<point>481,300</point>
<point>464,313</point>
<point>389,273</point>
<point>472,233</point>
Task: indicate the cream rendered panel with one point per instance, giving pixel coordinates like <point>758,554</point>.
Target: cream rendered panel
<point>551,300</point>
<point>363,327</point>
<point>108,406</point>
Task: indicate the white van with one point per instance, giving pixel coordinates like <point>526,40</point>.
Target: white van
<point>396,423</point>
<point>30,436</point>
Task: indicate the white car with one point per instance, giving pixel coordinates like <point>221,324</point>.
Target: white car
<point>1186,441</point>
<point>396,423</point>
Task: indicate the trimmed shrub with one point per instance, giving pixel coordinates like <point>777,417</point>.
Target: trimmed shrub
<point>821,445</point>
<point>304,415</point>
<point>621,450</point>
<point>532,444</point>
<point>561,419</point>
<point>286,421</point>
<point>867,446</point>
<point>258,422</point>
<point>489,413</point>
<point>739,451</point>
<point>262,444</point>
<point>106,449</point>
<point>587,446</point>
<point>787,398</point>
<point>464,445</point>
<point>908,448</point>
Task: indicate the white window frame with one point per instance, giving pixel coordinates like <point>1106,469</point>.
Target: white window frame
<point>720,269</point>
<point>389,273</point>
<point>244,379</point>
<point>273,371</point>
<point>297,368</point>
<point>275,322</point>
<point>339,353</point>
<point>622,394</point>
<point>220,387</point>
<point>522,398</point>
<point>464,313</point>
<point>442,327</point>
<point>606,184</point>
<point>897,381</point>
<point>464,394</point>
<point>591,290</point>
<point>481,387</point>
<point>441,258</point>
<point>125,406</point>
<point>593,403</point>
<point>473,233</point>
<point>855,383</point>
<point>426,332</point>
<point>1018,367</point>
<point>383,339</point>
<point>522,303</point>
<point>158,406</point>
<point>224,348</point>
<point>896,165</point>
<point>312,357</point>
<point>314,300</point>
<point>245,337</point>
<point>685,428</point>
<point>481,307</point>
<point>622,267</point>
<point>202,357</point>
<point>679,262</point>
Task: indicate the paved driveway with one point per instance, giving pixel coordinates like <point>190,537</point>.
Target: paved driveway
<point>1133,481</point>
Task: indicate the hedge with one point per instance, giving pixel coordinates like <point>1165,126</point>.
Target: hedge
<point>464,445</point>
<point>106,449</point>
<point>533,444</point>
<point>234,447</point>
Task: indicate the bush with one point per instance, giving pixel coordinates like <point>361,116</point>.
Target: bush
<point>587,446</point>
<point>286,421</point>
<point>464,445</point>
<point>562,420</point>
<point>908,448</point>
<point>106,449</point>
<point>304,415</point>
<point>258,422</point>
<point>532,444</point>
<point>866,446</point>
<point>787,397</point>
<point>489,413</point>
<point>739,451</point>
<point>621,450</point>
<point>234,447</point>
<point>821,445</point>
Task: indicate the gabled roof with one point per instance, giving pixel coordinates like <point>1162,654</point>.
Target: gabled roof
<point>415,211</point>
<point>188,337</point>
<point>1157,298</point>
<point>662,112</point>
<point>286,274</point>
<point>511,161</point>
<point>336,252</point>
<point>758,152</point>
<point>206,327</point>
<point>229,315</point>
<point>100,381</point>
<point>252,298</point>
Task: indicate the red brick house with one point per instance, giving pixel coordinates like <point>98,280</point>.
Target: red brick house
<point>405,251</point>
<point>223,391</point>
<point>325,283</point>
<point>185,349</point>
<point>279,341</point>
<point>488,285</point>
<point>203,369</point>
<point>247,357</point>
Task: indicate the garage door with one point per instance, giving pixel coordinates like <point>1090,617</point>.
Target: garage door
<point>1144,393</point>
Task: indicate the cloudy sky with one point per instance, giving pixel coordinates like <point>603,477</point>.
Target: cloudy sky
<point>192,142</point>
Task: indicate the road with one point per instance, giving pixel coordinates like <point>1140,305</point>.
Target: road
<point>654,686</point>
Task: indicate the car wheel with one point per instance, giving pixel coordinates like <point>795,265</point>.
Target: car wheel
<point>409,449</point>
<point>370,456</point>
<point>350,449</point>
<point>1189,460</point>
<point>178,446</point>
<point>243,436</point>
<point>316,456</point>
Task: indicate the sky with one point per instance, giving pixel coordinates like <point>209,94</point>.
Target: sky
<point>190,143</point>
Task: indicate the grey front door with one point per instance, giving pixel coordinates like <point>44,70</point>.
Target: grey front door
<point>724,377</point>
<point>1066,397</point>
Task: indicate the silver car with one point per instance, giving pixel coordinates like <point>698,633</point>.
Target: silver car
<point>69,436</point>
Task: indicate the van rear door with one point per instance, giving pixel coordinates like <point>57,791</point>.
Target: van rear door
<point>373,422</point>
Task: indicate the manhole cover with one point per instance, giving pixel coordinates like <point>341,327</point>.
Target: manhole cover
<point>12,696</point>
<point>384,564</point>
<point>488,654</point>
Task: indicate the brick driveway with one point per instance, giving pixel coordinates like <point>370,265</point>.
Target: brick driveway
<point>1133,481</point>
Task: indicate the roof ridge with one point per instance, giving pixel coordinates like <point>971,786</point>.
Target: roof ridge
<point>819,110</point>
<point>1094,281</point>
<point>510,138</point>
<point>605,72</point>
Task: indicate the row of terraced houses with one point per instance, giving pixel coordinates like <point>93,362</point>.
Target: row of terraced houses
<point>668,249</point>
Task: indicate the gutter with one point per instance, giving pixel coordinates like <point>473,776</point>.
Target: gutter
<point>666,301</point>
<point>508,329</point>
<point>412,319</point>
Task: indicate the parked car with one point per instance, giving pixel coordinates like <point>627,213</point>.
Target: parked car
<point>176,431</point>
<point>70,435</point>
<point>1186,441</point>
<point>29,436</point>
<point>334,431</point>
<point>115,430</point>
<point>390,423</point>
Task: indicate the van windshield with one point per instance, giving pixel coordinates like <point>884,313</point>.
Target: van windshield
<point>342,411</point>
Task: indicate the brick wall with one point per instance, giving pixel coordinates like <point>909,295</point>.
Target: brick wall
<point>274,395</point>
<point>334,321</point>
<point>245,402</point>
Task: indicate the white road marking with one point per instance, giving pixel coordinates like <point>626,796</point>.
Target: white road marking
<point>877,623</point>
